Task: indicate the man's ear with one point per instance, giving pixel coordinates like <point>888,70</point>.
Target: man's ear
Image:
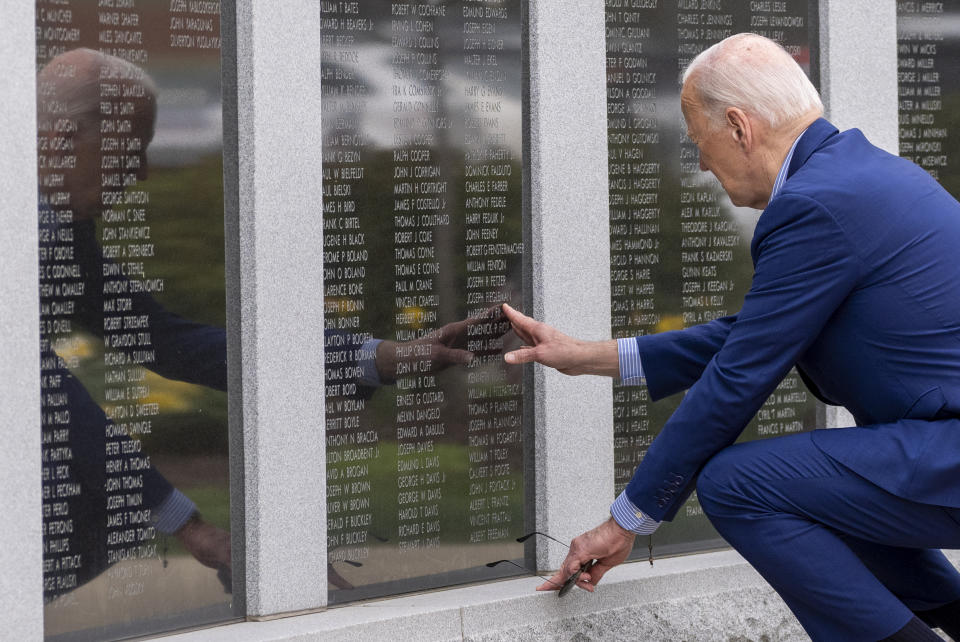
<point>739,127</point>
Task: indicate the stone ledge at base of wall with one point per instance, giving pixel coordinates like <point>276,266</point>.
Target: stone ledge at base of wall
<point>741,615</point>
<point>703,597</point>
<point>709,596</point>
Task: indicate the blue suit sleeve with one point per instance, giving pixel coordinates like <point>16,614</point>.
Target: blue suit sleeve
<point>805,266</point>
<point>182,349</point>
<point>675,360</point>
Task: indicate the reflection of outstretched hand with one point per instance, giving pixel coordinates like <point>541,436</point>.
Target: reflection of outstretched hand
<point>550,347</point>
<point>209,545</point>
<point>454,344</point>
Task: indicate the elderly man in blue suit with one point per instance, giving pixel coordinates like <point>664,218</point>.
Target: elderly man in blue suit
<point>857,284</point>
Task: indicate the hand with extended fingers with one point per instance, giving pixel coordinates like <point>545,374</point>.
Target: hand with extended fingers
<point>608,543</point>
<point>550,347</point>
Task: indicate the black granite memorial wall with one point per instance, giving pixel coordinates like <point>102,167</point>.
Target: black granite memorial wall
<point>928,78</point>
<point>422,187</point>
<point>679,250</point>
<point>133,356</point>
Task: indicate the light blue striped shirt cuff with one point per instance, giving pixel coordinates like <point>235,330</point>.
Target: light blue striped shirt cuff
<point>631,370</point>
<point>630,517</point>
<point>173,512</point>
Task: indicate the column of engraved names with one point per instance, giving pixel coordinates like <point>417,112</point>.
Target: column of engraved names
<point>420,189</point>
<point>922,136</point>
<point>194,24</point>
<point>55,29</point>
<point>786,22</point>
<point>782,412</point>
<point>128,347</point>
<point>635,171</point>
<point>493,407</point>
<point>782,20</point>
<point>61,285</point>
<point>707,238</point>
<point>350,449</point>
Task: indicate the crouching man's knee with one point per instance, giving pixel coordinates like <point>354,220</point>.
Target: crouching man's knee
<point>720,485</point>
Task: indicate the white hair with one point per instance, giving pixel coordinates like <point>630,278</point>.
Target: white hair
<point>754,74</point>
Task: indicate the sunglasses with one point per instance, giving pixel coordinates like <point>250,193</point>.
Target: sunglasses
<point>570,582</point>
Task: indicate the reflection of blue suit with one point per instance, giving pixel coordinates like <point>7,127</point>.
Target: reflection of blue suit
<point>857,282</point>
<point>182,350</point>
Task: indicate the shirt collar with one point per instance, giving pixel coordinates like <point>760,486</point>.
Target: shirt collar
<point>782,174</point>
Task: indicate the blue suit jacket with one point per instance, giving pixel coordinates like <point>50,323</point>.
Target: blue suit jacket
<point>856,282</point>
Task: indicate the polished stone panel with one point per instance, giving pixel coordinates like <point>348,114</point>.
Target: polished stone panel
<point>423,239</point>
<point>679,250</point>
<point>132,309</point>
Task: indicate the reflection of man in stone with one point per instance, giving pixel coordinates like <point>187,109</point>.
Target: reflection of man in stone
<point>80,177</point>
<point>76,187</point>
<point>856,283</point>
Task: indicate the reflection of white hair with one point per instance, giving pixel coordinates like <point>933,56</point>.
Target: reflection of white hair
<point>754,74</point>
<point>74,78</point>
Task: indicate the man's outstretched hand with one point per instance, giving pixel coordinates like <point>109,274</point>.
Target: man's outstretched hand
<point>549,346</point>
<point>608,543</point>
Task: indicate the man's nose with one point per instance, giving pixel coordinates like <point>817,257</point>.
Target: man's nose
<point>703,168</point>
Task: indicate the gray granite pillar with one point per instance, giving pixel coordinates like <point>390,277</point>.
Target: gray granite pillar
<point>278,170</point>
<point>858,46</point>
<point>21,584</point>
<point>570,247</point>
<point>858,41</point>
